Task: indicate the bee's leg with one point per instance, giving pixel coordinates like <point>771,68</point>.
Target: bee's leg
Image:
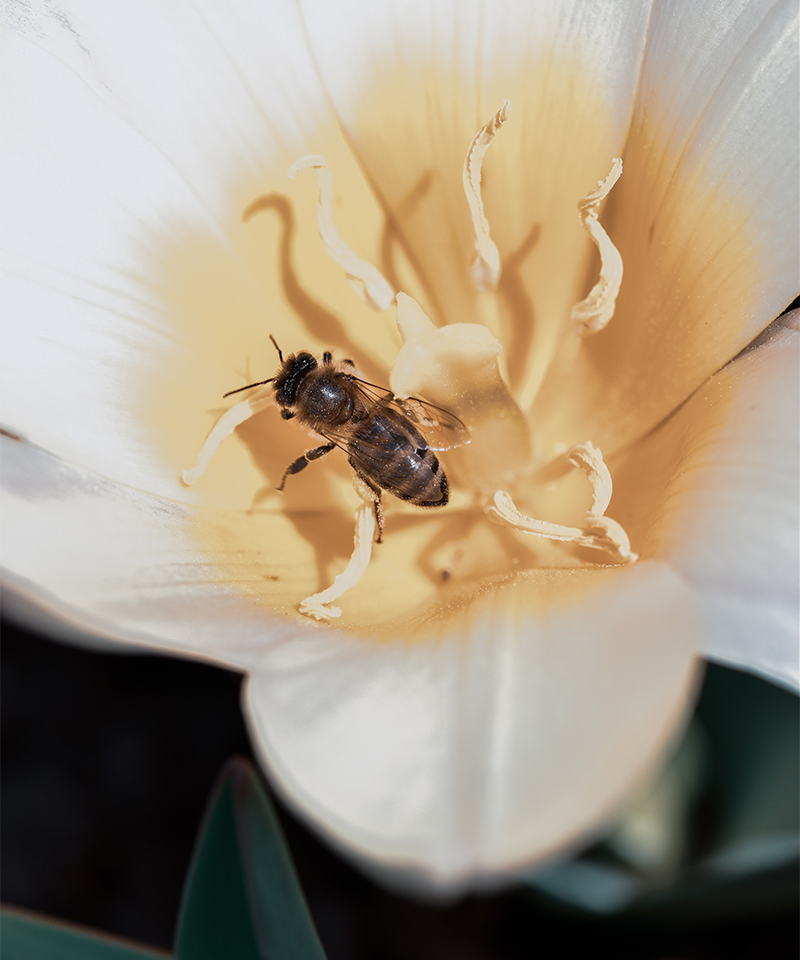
<point>379,517</point>
<point>367,490</point>
<point>302,462</point>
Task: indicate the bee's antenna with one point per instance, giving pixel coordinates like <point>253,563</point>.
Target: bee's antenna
<point>274,344</point>
<point>239,389</point>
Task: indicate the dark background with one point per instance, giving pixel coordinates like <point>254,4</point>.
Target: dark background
<point>107,763</point>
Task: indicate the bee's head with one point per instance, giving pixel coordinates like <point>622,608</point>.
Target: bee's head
<point>291,375</point>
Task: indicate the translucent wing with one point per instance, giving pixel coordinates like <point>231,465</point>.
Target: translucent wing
<point>443,430</point>
<point>371,392</point>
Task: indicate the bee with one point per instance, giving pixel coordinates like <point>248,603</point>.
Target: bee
<point>381,435</point>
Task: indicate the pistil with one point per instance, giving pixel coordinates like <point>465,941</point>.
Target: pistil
<point>456,367</point>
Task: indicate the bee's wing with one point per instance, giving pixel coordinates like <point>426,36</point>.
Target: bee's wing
<point>443,430</point>
<point>371,392</point>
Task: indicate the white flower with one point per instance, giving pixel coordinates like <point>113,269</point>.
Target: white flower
<point>452,729</point>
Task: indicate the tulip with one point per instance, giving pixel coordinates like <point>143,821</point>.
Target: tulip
<point>487,698</point>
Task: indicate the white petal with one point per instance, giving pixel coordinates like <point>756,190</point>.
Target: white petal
<point>129,307</point>
<point>209,84</point>
<point>90,211</point>
<point>90,558</point>
<point>455,57</point>
<point>705,216</point>
<point>721,505</point>
<point>490,747</point>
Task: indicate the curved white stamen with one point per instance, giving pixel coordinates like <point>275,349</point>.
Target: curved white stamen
<point>486,265</point>
<point>588,458</point>
<point>592,314</point>
<point>611,537</point>
<point>599,532</point>
<point>317,605</point>
<point>363,277</point>
<point>504,509</point>
<point>223,428</point>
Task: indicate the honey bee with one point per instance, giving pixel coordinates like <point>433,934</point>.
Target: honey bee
<point>380,434</point>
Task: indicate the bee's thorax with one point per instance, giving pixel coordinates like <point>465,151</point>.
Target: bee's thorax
<point>326,399</point>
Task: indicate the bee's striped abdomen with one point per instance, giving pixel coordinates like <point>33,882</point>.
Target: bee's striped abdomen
<point>389,450</point>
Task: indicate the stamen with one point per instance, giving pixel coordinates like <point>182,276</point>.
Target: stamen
<point>504,509</point>
<point>316,605</point>
<point>363,277</point>
<point>592,314</point>
<point>486,265</point>
<point>611,537</point>
<point>599,533</point>
<point>223,428</point>
<point>588,458</point>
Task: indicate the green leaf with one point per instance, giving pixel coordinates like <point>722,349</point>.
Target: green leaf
<point>755,727</point>
<point>242,899</point>
<point>25,937</point>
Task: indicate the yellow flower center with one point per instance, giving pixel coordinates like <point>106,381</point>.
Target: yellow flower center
<point>457,366</point>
